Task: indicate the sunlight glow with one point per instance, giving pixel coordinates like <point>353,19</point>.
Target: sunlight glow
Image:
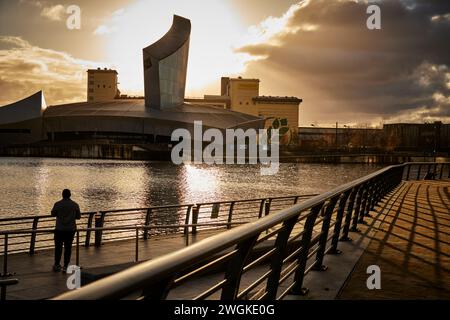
<point>214,31</point>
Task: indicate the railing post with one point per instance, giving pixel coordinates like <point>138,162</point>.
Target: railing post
<point>234,268</point>
<point>158,291</point>
<point>348,216</point>
<point>4,283</point>
<point>99,220</point>
<point>337,227</point>
<point>298,288</point>
<point>77,258</point>
<point>276,263</point>
<point>441,172</point>
<point>354,227</point>
<point>418,172</point>
<point>230,215</point>
<point>407,172</point>
<point>147,222</point>
<point>364,198</point>
<point>261,208</point>
<point>186,221</point>
<point>5,256</point>
<point>267,206</point>
<point>33,235</point>
<point>328,212</point>
<point>136,258</point>
<point>369,197</point>
<point>195,211</point>
<point>296,199</point>
<point>373,194</point>
<point>87,241</point>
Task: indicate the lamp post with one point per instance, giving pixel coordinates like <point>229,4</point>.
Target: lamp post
<point>336,142</point>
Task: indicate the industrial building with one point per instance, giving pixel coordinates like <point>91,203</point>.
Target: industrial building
<point>242,95</point>
<point>428,137</point>
<point>414,137</point>
<point>339,138</point>
<point>151,119</point>
<point>102,85</point>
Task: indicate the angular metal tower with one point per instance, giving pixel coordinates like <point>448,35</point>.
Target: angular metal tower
<point>165,66</point>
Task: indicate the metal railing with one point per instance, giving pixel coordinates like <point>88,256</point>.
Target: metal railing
<point>272,254</point>
<point>136,229</point>
<point>194,215</point>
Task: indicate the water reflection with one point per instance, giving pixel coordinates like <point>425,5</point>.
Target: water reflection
<point>30,186</point>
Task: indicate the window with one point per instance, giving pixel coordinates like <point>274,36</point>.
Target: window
<point>104,86</point>
<point>91,82</point>
<point>91,98</point>
<point>98,86</point>
<point>91,90</point>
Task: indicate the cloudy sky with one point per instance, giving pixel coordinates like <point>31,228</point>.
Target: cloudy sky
<point>318,50</point>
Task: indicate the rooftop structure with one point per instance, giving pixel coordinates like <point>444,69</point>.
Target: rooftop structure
<point>102,84</point>
<point>165,66</point>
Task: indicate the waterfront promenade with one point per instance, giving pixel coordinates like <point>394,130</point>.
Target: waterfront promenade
<point>411,246</point>
<point>38,281</point>
<point>407,234</point>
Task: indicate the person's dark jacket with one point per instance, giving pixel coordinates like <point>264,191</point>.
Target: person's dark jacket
<point>66,212</point>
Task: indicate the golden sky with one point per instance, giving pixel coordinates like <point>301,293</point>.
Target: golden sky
<point>317,50</point>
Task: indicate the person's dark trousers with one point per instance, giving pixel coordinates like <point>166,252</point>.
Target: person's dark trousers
<point>63,238</point>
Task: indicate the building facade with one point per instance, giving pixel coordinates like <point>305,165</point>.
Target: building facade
<point>150,119</point>
<point>165,66</point>
<point>427,137</point>
<point>102,85</point>
<point>242,95</point>
<point>21,121</point>
<point>315,138</point>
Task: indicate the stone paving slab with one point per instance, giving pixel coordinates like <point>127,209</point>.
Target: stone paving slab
<point>411,247</point>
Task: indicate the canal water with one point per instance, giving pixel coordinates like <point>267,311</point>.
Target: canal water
<point>30,186</point>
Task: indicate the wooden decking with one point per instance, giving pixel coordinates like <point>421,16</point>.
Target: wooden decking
<point>411,246</point>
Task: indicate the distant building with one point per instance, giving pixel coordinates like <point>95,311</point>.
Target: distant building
<point>242,95</point>
<point>115,118</point>
<point>415,137</point>
<point>102,85</point>
<point>342,138</point>
<point>428,137</point>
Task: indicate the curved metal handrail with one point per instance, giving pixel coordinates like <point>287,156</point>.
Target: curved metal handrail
<point>150,273</point>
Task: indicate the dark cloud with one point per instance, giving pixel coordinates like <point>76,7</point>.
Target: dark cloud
<point>349,73</point>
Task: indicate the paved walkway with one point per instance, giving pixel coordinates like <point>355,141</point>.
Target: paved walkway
<point>408,236</point>
<point>411,246</point>
<point>37,281</point>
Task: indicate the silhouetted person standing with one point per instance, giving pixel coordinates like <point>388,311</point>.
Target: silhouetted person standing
<point>66,212</point>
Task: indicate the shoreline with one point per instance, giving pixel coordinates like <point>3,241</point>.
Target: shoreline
<point>162,153</point>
